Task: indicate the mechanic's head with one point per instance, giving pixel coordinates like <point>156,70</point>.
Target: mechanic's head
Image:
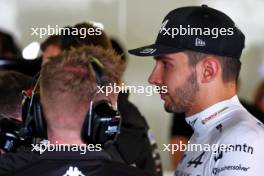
<point>8,46</point>
<point>199,68</point>
<point>87,34</point>
<point>11,86</point>
<point>68,84</point>
<point>82,34</point>
<point>92,35</point>
<point>51,47</point>
<point>73,37</point>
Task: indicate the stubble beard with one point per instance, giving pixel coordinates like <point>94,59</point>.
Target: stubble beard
<point>184,96</point>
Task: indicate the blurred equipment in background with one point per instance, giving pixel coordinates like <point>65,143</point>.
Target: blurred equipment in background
<point>252,108</point>
<point>27,67</point>
<point>11,58</point>
<point>9,134</point>
<point>259,97</point>
<point>180,132</point>
<point>11,86</point>
<point>31,51</point>
<point>10,139</point>
<point>145,149</point>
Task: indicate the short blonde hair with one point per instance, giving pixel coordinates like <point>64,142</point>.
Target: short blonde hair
<point>71,73</point>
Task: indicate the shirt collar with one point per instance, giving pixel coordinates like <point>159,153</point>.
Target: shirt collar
<point>203,120</point>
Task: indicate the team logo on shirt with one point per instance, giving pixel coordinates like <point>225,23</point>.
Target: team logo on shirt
<point>219,127</point>
<point>73,171</point>
<point>196,161</point>
<point>204,121</point>
<point>239,167</point>
<point>192,122</point>
<point>233,148</point>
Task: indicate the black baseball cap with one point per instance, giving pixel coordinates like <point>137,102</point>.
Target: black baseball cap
<point>196,28</point>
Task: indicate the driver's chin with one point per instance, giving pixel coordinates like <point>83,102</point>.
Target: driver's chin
<point>168,109</point>
<point>172,107</point>
<point>168,106</point>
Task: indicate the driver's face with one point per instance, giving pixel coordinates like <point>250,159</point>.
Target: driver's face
<point>173,71</point>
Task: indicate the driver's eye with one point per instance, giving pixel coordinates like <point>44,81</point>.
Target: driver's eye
<point>165,64</point>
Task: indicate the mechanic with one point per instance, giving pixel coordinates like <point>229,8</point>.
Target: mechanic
<point>70,113</point>
<point>135,143</point>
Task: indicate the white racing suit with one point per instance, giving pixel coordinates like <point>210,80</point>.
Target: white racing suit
<point>228,140</point>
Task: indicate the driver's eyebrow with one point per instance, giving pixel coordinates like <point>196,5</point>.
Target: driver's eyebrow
<point>156,58</point>
<point>162,58</point>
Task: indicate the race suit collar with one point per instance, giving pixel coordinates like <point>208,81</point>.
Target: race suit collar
<point>202,120</point>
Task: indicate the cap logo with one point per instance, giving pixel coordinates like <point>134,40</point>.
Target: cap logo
<point>199,42</point>
<point>148,50</point>
<point>163,26</point>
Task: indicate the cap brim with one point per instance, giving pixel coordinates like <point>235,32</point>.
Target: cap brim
<point>154,50</point>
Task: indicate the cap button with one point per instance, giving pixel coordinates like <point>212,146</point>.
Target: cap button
<point>204,6</point>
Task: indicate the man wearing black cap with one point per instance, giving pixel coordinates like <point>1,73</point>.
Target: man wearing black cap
<point>197,55</point>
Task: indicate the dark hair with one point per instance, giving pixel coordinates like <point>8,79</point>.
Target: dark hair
<point>118,49</point>
<point>8,45</point>
<point>51,40</point>
<point>75,41</point>
<point>11,85</point>
<point>230,66</point>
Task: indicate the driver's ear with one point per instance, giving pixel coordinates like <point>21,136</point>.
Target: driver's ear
<point>210,68</point>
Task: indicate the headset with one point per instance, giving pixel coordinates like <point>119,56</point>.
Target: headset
<point>32,116</point>
<point>102,121</point>
<point>9,134</point>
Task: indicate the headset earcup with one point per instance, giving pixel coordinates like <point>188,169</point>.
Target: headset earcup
<point>89,129</point>
<point>40,128</point>
<point>105,124</point>
<point>34,123</point>
<point>84,132</point>
<point>93,125</point>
